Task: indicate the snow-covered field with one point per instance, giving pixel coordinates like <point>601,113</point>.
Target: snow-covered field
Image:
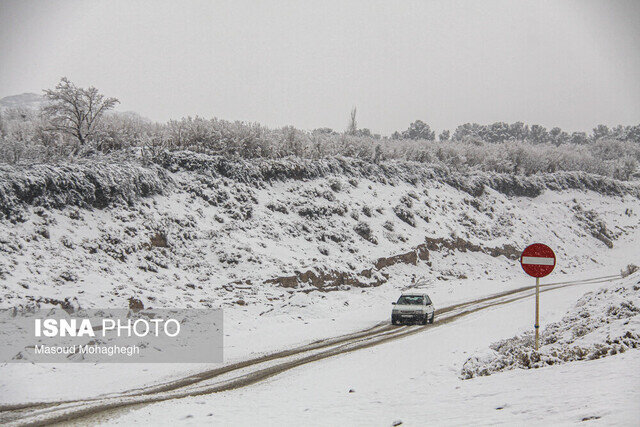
<point>417,381</point>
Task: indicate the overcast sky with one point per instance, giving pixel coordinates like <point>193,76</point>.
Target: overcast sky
<point>571,64</point>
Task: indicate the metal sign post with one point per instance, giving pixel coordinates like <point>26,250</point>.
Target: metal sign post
<point>538,260</point>
<point>537,327</point>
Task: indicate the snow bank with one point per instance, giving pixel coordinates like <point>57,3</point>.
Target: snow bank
<point>225,231</point>
<point>602,323</point>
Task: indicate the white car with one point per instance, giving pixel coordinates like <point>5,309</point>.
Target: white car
<point>413,307</point>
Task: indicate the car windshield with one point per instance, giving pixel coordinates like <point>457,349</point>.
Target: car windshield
<point>411,300</point>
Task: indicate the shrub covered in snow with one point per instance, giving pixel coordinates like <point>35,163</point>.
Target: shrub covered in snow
<point>592,222</point>
<point>91,184</point>
<point>629,270</point>
<point>406,200</point>
<point>314,211</point>
<point>335,185</point>
<point>277,207</point>
<point>260,171</point>
<point>100,183</point>
<point>601,323</point>
<point>363,230</point>
<point>499,147</point>
<point>405,214</point>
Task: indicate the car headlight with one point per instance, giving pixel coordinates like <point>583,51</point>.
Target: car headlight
<point>395,310</point>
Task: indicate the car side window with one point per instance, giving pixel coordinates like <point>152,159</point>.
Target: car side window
<point>428,301</point>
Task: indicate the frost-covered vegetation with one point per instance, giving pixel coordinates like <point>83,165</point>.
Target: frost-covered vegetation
<point>101,182</point>
<point>26,140</point>
<point>31,135</point>
<point>88,184</point>
<point>601,323</point>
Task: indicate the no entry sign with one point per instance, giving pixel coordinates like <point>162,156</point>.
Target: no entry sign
<point>538,260</point>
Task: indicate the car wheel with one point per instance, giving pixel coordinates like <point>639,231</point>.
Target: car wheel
<point>433,316</point>
<point>393,321</point>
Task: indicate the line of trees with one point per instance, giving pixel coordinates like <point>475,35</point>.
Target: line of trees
<point>518,131</point>
<point>536,134</point>
<point>76,122</point>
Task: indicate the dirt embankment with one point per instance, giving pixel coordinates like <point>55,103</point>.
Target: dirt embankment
<point>328,280</point>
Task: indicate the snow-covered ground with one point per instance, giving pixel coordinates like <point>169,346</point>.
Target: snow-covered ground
<point>216,243</point>
<point>601,324</point>
<point>416,380</point>
<point>251,336</point>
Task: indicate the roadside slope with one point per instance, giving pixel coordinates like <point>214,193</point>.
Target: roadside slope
<point>211,233</point>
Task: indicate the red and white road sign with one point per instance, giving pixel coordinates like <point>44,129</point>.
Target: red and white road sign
<point>538,260</point>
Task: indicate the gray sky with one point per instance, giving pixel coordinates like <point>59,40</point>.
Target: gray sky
<point>571,64</point>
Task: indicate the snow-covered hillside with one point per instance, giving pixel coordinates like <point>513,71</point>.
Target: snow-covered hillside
<point>29,101</point>
<point>204,232</point>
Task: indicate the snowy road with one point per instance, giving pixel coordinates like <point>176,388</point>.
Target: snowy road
<point>417,381</point>
<point>238,375</point>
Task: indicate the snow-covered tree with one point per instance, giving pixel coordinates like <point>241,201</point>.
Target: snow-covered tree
<point>352,127</point>
<point>518,131</point>
<point>558,136</point>
<point>600,131</point>
<point>579,138</point>
<point>419,130</point>
<point>538,134</point>
<point>444,135</point>
<point>76,111</point>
